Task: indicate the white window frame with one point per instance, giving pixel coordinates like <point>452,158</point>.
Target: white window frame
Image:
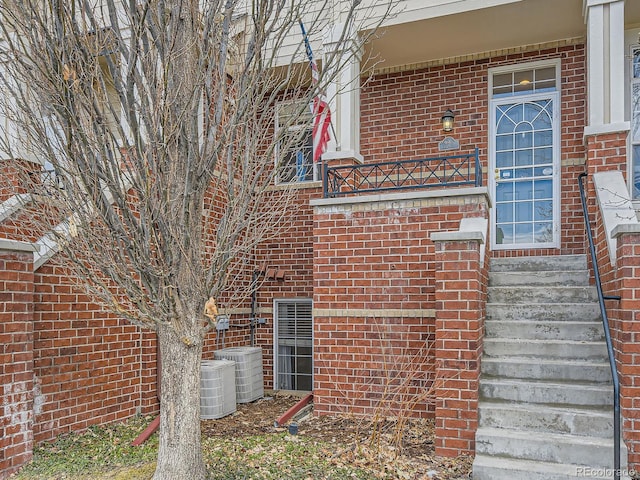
<point>276,303</point>
<point>533,95</point>
<point>299,126</point>
<point>632,42</point>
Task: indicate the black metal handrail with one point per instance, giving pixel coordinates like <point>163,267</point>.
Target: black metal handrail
<point>453,170</point>
<point>607,334</point>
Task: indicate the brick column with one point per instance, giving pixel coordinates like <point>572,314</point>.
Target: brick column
<point>460,310</point>
<point>149,379</point>
<point>16,355</point>
<point>626,329</point>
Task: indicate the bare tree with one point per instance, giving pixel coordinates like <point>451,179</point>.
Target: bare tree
<point>154,121</point>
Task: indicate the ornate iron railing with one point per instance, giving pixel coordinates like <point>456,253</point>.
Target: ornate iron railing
<point>434,172</point>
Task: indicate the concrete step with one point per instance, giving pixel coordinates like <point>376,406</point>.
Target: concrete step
<point>596,422</point>
<point>545,330</point>
<point>548,349</point>
<point>542,263</point>
<point>545,447</point>
<point>501,468</point>
<point>579,394</point>
<point>550,278</point>
<point>543,369</point>
<point>572,312</point>
<point>529,295</point>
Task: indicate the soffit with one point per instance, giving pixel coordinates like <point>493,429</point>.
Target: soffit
<point>526,22</point>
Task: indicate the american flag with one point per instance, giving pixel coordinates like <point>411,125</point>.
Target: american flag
<point>321,112</point>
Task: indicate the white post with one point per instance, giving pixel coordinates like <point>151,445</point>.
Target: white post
<point>605,65</point>
<point>343,95</point>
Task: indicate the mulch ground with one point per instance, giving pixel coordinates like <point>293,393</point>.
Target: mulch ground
<point>404,451</point>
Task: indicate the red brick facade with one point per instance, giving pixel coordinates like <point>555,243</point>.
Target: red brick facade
<point>608,152</point>
<point>398,318</point>
<point>461,286</point>
<point>90,367</point>
<point>16,357</point>
<point>375,300</point>
<point>401,120</point>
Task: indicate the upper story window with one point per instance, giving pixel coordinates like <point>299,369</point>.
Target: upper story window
<point>296,161</point>
<point>635,121</point>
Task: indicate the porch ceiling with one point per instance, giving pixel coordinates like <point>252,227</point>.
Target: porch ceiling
<point>524,22</point>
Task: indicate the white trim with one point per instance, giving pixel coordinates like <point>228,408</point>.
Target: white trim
<point>555,96</point>
<point>297,126</point>
<point>457,236</point>
<point>632,42</point>
<point>623,228</point>
<point>401,197</point>
<point>594,3</point>
<point>342,155</point>
<point>616,55</point>
<point>14,204</point>
<point>16,246</point>
<point>595,54</point>
<point>607,128</point>
<point>517,67</point>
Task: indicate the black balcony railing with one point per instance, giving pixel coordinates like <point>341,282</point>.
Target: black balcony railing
<point>434,172</point>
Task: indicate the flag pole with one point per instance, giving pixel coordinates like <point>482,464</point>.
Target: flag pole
<point>307,46</point>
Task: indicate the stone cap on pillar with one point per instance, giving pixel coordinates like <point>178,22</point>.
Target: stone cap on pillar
<point>471,229</point>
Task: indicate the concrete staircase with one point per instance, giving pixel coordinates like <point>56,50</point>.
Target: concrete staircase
<point>545,390</point>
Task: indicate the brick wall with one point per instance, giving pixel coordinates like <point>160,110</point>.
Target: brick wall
<point>65,363</point>
<point>375,300</point>
<point>90,366</point>
<point>401,120</point>
<point>626,330</point>
<point>292,253</point>
<point>16,176</point>
<point>461,286</point>
<point>380,265</point>
<point>606,152</point>
<point>16,356</point>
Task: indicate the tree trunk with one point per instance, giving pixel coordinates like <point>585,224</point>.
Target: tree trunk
<point>180,452</point>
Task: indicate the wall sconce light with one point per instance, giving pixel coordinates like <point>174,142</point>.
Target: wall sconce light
<point>447,120</point>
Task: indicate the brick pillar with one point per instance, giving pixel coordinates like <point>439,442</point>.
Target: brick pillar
<point>626,329</point>
<point>16,355</point>
<point>460,311</point>
<point>606,152</point>
<point>149,379</point>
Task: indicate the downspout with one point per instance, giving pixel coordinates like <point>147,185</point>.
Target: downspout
<point>254,306</point>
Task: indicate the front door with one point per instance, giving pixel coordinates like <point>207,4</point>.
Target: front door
<point>524,153</point>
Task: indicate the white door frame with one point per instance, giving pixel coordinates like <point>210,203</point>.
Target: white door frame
<point>554,96</point>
